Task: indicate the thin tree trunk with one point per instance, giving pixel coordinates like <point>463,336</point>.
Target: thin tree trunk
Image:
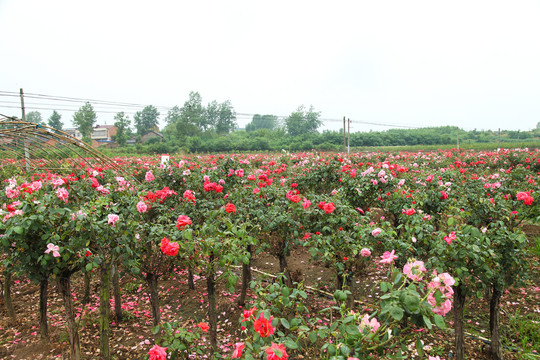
<point>152,281</point>
<point>339,281</point>
<point>191,283</point>
<point>43,325</point>
<point>86,295</point>
<point>105,311</point>
<point>283,267</point>
<point>246,279</point>
<point>459,304</point>
<point>350,297</point>
<point>64,286</point>
<point>495,347</point>
<point>117,294</point>
<point>212,312</point>
<point>7,295</point>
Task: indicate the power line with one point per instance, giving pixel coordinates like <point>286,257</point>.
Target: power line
<point>107,104</point>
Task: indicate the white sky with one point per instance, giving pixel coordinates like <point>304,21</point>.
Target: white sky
<point>473,64</point>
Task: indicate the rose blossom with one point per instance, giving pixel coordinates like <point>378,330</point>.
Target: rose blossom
<point>182,222</point>
<point>113,218</point>
<point>237,354</point>
<point>230,208</point>
<point>142,207</point>
<point>149,176</point>
<point>373,323</point>
<point>329,208</point>
<point>158,353</point>
<point>54,248</point>
<point>388,257</point>
<point>263,326</point>
<point>271,355</point>
<point>414,270</point>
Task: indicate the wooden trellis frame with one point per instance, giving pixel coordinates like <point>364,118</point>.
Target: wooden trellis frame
<point>38,147</point>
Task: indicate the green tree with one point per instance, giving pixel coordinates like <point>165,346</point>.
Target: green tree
<point>174,115</point>
<point>146,120</point>
<point>220,117</point>
<point>303,121</point>
<point>84,120</point>
<point>190,119</point>
<point>122,123</point>
<point>54,120</point>
<point>269,122</point>
<point>34,117</point>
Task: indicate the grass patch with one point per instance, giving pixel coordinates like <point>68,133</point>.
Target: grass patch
<point>523,330</point>
<point>535,247</point>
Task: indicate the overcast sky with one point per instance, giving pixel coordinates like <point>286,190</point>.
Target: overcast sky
<point>472,64</point>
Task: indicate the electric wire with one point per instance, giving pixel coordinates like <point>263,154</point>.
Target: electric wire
<point>104,107</point>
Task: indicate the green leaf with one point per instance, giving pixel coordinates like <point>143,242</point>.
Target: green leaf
<point>313,337</point>
<point>345,350</point>
<point>412,303</point>
<point>285,291</point>
<point>155,330</point>
<point>89,267</point>
<point>291,344</point>
<point>285,323</point>
<point>396,313</point>
<point>439,321</point>
<point>352,330</point>
<point>331,349</point>
<point>428,323</point>
<point>18,229</point>
<point>420,348</point>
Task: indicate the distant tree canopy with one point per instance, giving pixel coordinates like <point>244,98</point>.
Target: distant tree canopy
<point>303,121</point>
<point>195,119</point>
<point>195,127</point>
<point>84,119</point>
<point>123,132</point>
<point>269,122</point>
<point>34,117</point>
<point>146,120</point>
<point>54,121</point>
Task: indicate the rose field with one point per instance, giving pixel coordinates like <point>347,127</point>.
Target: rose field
<point>405,255</point>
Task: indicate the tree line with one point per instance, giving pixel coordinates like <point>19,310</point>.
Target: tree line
<point>196,127</point>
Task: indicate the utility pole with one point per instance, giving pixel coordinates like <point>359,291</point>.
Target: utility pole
<point>26,154</point>
<point>22,106</point>
<point>344,136</point>
<point>349,137</point>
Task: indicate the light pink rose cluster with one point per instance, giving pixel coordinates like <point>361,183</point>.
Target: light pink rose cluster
<point>443,283</point>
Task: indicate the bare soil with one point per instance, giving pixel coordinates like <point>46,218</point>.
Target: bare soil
<point>132,338</point>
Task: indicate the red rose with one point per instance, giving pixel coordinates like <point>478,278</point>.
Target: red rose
<point>230,208</point>
<point>182,222</point>
<point>263,326</point>
<point>204,326</point>
<point>329,208</point>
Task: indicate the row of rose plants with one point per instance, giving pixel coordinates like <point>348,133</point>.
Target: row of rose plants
<point>212,211</point>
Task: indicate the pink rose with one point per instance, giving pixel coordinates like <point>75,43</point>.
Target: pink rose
<point>158,353</point>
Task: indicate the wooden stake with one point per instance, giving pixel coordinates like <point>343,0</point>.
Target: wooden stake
<point>349,136</point>
<point>344,136</point>
<point>26,153</point>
